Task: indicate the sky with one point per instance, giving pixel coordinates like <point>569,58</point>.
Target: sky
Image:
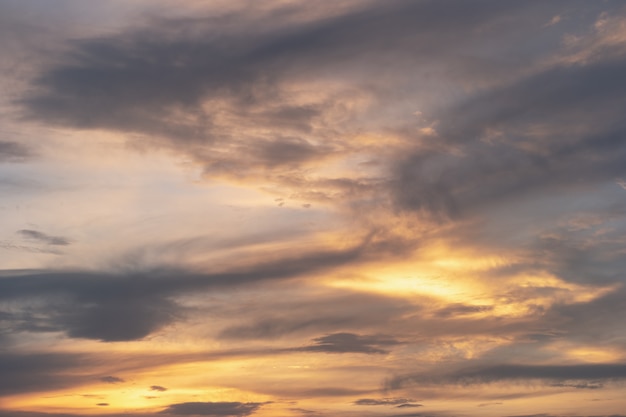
<point>296,208</point>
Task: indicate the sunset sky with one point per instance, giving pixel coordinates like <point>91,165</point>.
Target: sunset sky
<point>282,208</point>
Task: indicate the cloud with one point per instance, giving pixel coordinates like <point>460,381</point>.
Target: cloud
<point>458,309</point>
<point>38,372</point>
<point>509,142</point>
<point>14,152</point>
<point>488,404</point>
<point>470,130</point>
<point>311,313</point>
<point>350,343</point>
<point>44,238</point>
<point>249,98</point>
<point>588,374</point>
<point>129,306</point>
<point>583,385</point>
<point>321,392</point>
<point>112,379</point>
<point>213,408</point>
<point>398,402</point>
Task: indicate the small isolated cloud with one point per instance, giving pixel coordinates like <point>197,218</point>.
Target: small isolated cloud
<point>556,19</point>
<point>157,388</point>
<point>459,309</point>
<point>487,404</point>
<point>350,343</point>
<point>102,404</point>
<point>44,238</point>
<point>111,379</point>
<point>385,401</point>
<point>213,408</point>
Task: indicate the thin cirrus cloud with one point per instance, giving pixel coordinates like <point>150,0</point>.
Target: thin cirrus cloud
<point>376,201</point>
<point>43,237</point>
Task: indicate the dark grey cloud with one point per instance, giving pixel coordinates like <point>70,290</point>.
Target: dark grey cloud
<point>458,309</point>
<point>157,388</point>
<point>351,343</point>
<point>112,379</point>
<point>550,374</point>
<point>172,79</point>
<point>38,371</point>
<point>510,142</point>
<point>590,322</point>
<point>14,152</point>
<point>397,402</point>
<point>213,408</point>
<point>44,238</point>
<point>585,372</point>
<point>129,306</point>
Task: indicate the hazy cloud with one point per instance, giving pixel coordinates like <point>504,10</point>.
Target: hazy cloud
<point>213,408</point>
<point>302,313</point>
<point>496,145</point>
<point>44,238</point>
<point>349,342</point>
<point>461,165</point>
<point>230,91</point>
<point>111,379</point>
<point>38,371</point>
<point>462,309</point>
<point>14,152</point>
<point>588,373</point>
<point>398,402</point>
<point>118,307</point>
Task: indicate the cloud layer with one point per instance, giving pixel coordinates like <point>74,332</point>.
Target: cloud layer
<point>285,209</point>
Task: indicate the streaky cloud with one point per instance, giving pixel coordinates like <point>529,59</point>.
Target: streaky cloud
<point>213,408</point>
<point>351,343</point>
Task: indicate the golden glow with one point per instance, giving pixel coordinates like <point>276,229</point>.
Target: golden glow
<point>589,354</point>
